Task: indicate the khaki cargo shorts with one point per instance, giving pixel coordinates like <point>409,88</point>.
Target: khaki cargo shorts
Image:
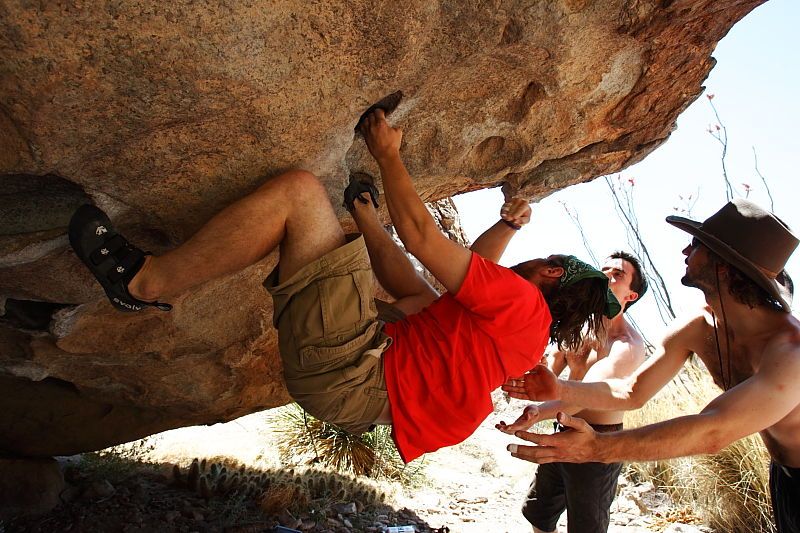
<point>331,338</point>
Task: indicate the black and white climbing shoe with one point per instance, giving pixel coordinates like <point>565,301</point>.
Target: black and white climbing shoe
<point>109,256</point>
<point>356,189</point>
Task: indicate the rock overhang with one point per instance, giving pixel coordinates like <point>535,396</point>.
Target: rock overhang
<point>164,113</point>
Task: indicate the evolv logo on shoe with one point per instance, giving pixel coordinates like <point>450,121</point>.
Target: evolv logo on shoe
<point>127,305</point>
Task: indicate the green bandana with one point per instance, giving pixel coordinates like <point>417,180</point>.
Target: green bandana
<point>576,270</point>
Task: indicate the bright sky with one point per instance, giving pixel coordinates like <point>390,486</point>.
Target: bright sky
<point>755,84</point>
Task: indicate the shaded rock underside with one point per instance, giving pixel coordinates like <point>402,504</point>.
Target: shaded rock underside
<point>162,114</point>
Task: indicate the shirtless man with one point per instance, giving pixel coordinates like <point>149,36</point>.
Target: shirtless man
<point>748,340</point>
<point>586,490</point>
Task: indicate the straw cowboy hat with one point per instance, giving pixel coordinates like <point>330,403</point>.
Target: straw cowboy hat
<point>751,239</point>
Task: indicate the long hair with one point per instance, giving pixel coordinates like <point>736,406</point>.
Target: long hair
<point>577,311</point>
<point>746,291</point>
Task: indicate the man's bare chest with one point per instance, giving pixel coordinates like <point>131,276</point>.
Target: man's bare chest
<point>581,361</point>
<point>727,365</point>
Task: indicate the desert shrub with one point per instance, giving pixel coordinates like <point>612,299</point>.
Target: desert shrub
<point>303,440</point>
<point>730,489</point>
<point>120,461</point>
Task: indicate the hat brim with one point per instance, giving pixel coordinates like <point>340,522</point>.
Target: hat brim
<point>777,291</point>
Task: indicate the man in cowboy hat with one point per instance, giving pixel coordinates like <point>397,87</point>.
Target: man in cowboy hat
<point>748,340</point>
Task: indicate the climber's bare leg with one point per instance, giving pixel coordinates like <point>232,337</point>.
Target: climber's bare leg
<point>291,210</point>
<point>391,266</point>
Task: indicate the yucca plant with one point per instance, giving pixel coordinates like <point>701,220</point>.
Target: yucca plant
<point>303,440</point>
<point>730,489</point>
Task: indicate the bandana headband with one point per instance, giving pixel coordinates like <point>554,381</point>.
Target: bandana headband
<point>576,270</point>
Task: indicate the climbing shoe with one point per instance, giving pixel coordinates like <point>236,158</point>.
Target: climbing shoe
<point>359,184</point>
<point>109,256</point>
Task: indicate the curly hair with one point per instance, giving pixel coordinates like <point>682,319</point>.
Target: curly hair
<point>577,310</point>
<point>743,289</point>
<point>746,291</point>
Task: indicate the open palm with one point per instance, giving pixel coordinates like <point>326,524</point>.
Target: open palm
<point>538,384</point>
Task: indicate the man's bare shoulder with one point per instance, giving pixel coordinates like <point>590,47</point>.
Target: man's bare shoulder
<point>793,327</point>
<point>628,335</point>
<point>784,343</point>
<point>627,343</point>
<point>691,327</point>
<point>626,346</point>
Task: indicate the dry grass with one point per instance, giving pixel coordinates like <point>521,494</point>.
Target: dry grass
<point>119,462</point>
<point>304,440</point>
<point>730,490</point>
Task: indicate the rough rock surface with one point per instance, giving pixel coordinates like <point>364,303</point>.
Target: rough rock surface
<point>162,113</point>
<point>32,486</point>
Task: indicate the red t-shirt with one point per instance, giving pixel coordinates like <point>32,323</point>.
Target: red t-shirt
<point>446,360</point>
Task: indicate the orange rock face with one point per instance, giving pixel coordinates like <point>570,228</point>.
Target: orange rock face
<point>163,113</point>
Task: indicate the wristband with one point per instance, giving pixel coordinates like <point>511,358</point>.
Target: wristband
<point>511,225</point>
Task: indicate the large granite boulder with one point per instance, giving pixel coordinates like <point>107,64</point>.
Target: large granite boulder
<point>29,486</point>
<point>164,112</point>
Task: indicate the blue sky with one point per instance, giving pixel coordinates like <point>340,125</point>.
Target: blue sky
<point>755,84</point>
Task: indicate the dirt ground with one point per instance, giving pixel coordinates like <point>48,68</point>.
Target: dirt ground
<point>473,487</point>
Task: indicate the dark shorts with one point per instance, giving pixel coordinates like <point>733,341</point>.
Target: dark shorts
<point>585,490</point>
<point>330,337</point>
<point>784,489</point>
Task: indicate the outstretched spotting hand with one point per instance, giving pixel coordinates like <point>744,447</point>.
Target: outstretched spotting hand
<point>382,140</point>
<point>538,384</point>
<point>517,211</point>
<point>579,444</point>
<point>529,417</point>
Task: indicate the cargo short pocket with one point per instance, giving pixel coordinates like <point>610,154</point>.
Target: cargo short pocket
<point>322,359</point>
<point>377,392</point>
<point>327,410</point>
<point>345,301</point>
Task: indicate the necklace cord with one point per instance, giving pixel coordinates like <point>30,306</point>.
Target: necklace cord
<point>726,383</point>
